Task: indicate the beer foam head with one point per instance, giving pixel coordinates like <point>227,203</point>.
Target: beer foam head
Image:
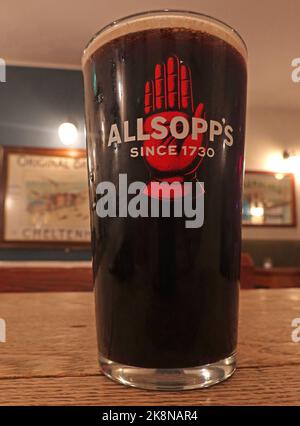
<point>176,20</point>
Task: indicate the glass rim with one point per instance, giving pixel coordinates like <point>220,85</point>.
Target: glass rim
<point>163,12</point>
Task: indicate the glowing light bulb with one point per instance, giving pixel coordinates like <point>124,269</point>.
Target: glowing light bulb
<point>257,211</point>
<point>293,164</point>
<point>68,133</point>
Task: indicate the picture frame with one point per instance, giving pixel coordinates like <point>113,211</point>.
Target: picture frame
<point>43,198</point>
<point>269,199</point>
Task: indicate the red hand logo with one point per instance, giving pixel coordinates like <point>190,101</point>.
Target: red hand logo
<point>171,95</point>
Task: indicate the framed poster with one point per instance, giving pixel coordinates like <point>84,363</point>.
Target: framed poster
<point>44,198</point>
<point>269,199</point>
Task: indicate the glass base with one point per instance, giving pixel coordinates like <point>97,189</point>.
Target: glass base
<point>170,379</point>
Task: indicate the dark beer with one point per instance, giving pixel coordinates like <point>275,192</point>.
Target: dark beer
<point>167,295</point>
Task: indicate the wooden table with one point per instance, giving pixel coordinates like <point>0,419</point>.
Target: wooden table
<point>50,355</point>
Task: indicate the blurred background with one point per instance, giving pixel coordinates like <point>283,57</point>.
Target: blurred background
<point>41,109</point>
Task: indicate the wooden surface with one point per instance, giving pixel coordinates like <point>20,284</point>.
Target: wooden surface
<point>50,355</point>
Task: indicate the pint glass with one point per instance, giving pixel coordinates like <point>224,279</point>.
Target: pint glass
<point>165,101</point>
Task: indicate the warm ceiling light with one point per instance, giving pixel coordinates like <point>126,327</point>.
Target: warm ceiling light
<point>292,161</point>
<point>68,133</point>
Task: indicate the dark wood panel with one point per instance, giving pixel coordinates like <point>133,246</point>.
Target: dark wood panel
<point>247,271</point>
<point>79,278</point>
<point>252,277</point>
<point>276,278</point>
<point>28,279</point>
